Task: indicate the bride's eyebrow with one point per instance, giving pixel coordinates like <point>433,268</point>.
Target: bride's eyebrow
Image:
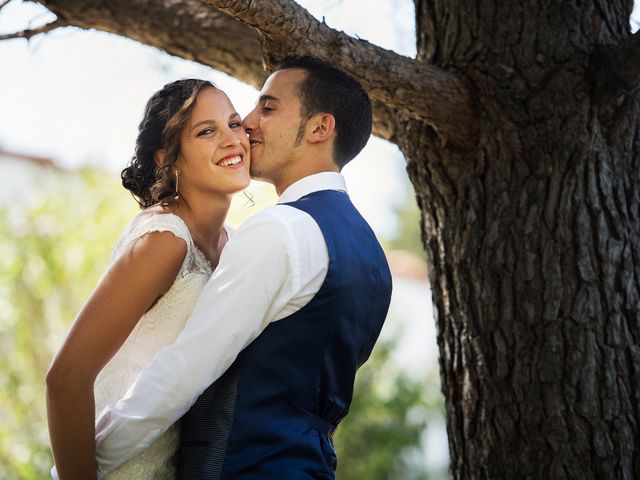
<point>203,122</point>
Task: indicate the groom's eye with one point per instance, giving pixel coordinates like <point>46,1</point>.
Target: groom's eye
<point>235,124</point>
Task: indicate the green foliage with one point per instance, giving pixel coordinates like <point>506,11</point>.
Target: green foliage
<point>52,253</point>
<point>409,235</point>
<point>388,415</point>
<point>382,437</point>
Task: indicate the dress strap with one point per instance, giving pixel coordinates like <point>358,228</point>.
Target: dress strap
<point>162,222</point>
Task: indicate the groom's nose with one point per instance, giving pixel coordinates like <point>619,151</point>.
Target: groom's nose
<point>249,121</point>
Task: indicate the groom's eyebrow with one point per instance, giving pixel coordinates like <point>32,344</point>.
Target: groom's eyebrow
<point>264,98</point>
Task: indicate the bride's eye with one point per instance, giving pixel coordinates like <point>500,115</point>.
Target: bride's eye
<point>206,131</point>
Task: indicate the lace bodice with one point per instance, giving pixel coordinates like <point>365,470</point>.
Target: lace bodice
<point>157,328</point>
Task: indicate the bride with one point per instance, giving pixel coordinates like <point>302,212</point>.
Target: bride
<point>192,155</point>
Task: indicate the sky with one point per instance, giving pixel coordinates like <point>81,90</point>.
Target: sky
<point>77,96</point>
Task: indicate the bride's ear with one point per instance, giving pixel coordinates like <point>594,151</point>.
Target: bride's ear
<point>158,156</point>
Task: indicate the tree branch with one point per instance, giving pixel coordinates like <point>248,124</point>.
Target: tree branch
<point>192,30</point>
<point>30,32</point>
<point>423,91</point>
<point>623,62</point>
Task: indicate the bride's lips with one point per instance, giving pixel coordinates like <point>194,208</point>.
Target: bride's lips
<point>234,160</point>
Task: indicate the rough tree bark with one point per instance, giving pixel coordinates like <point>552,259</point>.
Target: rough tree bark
<point>519,122</point>
<point>534,239</point>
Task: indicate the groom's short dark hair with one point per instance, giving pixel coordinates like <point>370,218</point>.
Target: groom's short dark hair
<point>330,90</point>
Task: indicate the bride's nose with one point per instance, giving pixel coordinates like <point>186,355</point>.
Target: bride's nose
<point>230,138</point>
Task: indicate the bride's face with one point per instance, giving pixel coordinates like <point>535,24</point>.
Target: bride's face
<point>214,149</point>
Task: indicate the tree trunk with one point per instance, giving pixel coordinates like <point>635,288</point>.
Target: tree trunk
<point>533,243</point>
<point>527,175</point>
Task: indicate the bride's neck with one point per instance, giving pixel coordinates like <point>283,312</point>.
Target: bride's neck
<point>205,217</point>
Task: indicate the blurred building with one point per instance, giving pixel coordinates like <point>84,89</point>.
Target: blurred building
<point>21,174</point>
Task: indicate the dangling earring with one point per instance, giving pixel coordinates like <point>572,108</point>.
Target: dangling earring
<point>177,195</point>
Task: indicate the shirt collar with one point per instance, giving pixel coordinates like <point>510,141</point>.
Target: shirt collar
<point>313,183</point>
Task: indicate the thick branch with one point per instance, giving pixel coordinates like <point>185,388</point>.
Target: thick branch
<point>624,62</point>
<point>422,91</point>
<point>30,32</point>
<point>190,29</point>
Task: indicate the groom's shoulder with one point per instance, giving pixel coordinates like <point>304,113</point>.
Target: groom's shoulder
<point>278,219</point>
<point>280,214</point>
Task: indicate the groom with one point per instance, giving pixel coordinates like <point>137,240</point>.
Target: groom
<point>292,311</point>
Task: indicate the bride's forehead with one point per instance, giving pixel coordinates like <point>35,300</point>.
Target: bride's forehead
<point>212,102</point>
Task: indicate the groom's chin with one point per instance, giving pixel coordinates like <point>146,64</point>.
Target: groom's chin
<point>259,177</point>
<point>256,174</point>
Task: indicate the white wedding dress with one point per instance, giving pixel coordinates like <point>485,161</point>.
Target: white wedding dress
<point>157,328</point>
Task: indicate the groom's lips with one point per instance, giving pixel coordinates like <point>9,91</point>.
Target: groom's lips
<point>254,142</point>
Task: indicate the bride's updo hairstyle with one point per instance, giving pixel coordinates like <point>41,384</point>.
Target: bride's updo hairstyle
<point>167,113</point>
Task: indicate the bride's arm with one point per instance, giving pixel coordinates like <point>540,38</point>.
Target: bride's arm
<point>128,289</point>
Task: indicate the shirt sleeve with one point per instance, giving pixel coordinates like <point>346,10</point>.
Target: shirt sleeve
<point>257,275</point>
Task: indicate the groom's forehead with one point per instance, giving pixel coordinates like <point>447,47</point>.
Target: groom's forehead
<point>284,83</point>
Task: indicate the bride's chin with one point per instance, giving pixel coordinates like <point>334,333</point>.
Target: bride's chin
<point>241,184</point>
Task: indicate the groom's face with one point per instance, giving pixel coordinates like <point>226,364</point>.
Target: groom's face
<point>273,126</point>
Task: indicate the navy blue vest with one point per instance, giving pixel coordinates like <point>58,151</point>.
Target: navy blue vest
<point>273,412</point>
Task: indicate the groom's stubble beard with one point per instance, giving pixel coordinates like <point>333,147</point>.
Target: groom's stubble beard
<point>302,127</point>
<point>254,173</point>
<point>272,161</point>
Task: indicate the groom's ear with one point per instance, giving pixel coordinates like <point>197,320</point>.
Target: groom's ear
<point>321,127</point>
<point>158,156</point>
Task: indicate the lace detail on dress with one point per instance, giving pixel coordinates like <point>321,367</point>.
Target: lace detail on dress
<point>156,329</point>
<point>165,222</point>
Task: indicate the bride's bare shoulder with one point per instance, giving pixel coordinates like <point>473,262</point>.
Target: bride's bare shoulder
<point>149,212</point>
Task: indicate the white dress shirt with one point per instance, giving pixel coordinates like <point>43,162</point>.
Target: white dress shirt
<point>272,266</point>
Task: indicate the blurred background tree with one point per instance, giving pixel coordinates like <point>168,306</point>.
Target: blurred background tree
<point>52,253</point>
<point>381,438</point>
<point>53,250</point>
<point>407,236</point>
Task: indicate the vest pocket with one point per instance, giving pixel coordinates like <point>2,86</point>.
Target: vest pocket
<point>329,452</point>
